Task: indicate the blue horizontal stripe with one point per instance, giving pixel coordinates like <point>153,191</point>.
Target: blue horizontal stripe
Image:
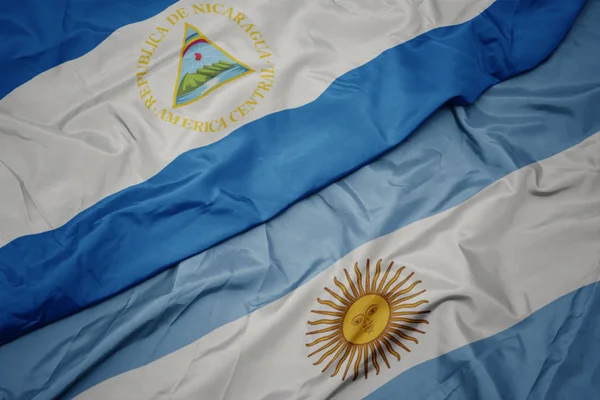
<point>210,194</point>
<point>551,355</point>
<point>37,35</point>
<point>458,152</point>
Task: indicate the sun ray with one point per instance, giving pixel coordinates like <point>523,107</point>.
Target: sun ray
<point>334,358</point>
<point>368,317</point>
<point>405,336</point>
<point>402,299</point>
<point>377,271</point>
<point>344,290</point>
<point>399,285</point>
<point>324,330</point>
<point>329,352</point>
<point>331,304</point>
<point>361,291</point>
<point>409,305</point>
<point>368,277</point>
<point>359,351</point>
<point>389,268</point>
<point>407,290</point>
<point>326,345</point>
<point>346,347</point>
<point>389,347</point>
<point>366,360</point>
<point>326,321</point>
<point>323,339</point>
<point>396,341</point>
<point>406,327</point>
<point>346,354</point>
<point>330,313</point>
<point>391,282</point>
<point>380,348</point>
<point>349,363</point>
<point>409,320</point>
<point>374,358</point>
<point>338,297</point>
<point>352,287</point>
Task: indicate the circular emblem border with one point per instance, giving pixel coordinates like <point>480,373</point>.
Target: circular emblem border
<point>266,72</point>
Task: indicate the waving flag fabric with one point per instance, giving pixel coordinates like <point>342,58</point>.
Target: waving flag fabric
<point>136,134</point>
<point>463,264</point>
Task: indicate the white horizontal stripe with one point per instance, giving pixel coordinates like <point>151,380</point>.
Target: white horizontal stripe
<point>80,132</point>
<point>487,264</point>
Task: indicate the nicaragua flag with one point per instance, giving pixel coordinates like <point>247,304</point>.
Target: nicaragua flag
<point>134,134</point>
<point>462,264</point>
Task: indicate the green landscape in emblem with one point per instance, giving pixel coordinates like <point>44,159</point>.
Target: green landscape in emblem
<point>193,81</point>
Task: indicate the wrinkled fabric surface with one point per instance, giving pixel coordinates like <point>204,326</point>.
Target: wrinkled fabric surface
<point>460,151</point>
<point>209,194</point>
<point>454,286</point>
<point>550,355</point>
<point>37,36</point>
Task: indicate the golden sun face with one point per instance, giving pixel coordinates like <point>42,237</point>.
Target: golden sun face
<point>367,320</point>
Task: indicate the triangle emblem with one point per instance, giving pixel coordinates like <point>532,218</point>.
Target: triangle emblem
<point>203,67</point>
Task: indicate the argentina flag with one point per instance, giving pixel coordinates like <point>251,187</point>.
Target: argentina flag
<point>300,200</point>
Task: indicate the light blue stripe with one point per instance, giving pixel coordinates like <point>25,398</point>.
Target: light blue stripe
<point>457,153</point>
<point>37,35</point>
<point>551,355</point>
<point>210,194</point>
